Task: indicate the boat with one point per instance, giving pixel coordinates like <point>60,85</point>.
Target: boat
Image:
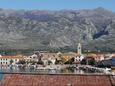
<point>50,67</point>
<point>108,69</point>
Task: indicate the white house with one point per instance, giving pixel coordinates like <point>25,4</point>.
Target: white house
<point>32,58</point>
<point>6,60</point>
<point>78,58</point>
<point>52,60</point>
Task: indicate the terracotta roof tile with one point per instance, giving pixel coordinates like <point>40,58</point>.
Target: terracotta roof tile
<point>56,80</point>
<point>9,57</point>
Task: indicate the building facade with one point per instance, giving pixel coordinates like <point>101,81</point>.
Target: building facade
<point>7,60</point>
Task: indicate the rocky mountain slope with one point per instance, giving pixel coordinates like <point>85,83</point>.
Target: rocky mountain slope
<point>41,29</point>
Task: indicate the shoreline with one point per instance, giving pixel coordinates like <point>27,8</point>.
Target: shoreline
<point>84,74</point>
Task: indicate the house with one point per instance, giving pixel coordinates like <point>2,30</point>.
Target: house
<point>100,57</point>
<point>68,56</point>
<point>32,58</point>
<point>6,60</point>
<point>78,58</point>
<point>96,57</point>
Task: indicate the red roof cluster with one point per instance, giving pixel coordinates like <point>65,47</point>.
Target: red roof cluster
<point>57,80</point>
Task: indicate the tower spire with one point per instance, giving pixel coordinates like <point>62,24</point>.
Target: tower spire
<point>79,50</point>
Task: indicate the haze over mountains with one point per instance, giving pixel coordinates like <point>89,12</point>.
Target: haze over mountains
<point>39,29</point>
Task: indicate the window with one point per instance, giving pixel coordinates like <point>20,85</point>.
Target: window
<point>6,59</point>
<point>6,62</point>
<point>1,62</point>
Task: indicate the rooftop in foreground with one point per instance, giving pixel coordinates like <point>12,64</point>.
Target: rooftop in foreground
<point>57,80</point>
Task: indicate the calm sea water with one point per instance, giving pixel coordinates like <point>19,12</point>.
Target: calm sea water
<point>1,75</point>
<point>32,70</point>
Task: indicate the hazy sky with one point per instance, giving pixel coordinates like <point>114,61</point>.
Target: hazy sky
<point>57,4</point>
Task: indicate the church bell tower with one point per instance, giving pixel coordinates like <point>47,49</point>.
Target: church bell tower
<point>79,50</point>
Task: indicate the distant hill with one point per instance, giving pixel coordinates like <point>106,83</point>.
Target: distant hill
<point>42,29</point>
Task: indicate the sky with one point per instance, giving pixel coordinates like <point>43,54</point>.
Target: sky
<point>57,4</point>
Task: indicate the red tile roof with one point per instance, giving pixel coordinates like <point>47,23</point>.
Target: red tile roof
<point>13,57</point>
<point>91,55</point>
<point>56,80</point>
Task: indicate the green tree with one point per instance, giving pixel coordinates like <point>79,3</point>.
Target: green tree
<point>84,61</point>
<point>92,62</point>
<point>40,62</point>
<point>21,62</point>
<point>11,61</point>
<point>49,62</point>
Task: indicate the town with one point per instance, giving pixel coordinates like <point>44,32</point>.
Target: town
<point>43,60</point>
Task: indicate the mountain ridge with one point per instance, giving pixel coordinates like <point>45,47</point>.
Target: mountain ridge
<point>39,29</point>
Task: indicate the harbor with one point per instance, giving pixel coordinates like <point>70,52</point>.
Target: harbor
<point>57,69</point>
<point>72,75</point>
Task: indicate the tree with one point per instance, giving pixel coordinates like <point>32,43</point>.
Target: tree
<point>11,61</point>
<point>84,61</point>
<point>49,62</point>
<point>21,62</point>
<point>71,61</point>
<point>40,62</point>
<point>92,62</point>
<point>32,62</point>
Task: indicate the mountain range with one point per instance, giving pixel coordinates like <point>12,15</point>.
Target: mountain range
<point>46,29</point>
